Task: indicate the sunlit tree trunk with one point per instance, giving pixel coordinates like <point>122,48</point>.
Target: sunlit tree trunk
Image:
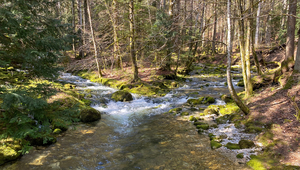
<point>132,41</point>
<point>290,41</point>
<point>248,87</point>
<point>232,91</point>
<point>257,24</point>
<point>93,38</point>
<point>74,27</point>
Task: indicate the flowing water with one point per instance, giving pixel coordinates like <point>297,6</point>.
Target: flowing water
<point>132,135</point>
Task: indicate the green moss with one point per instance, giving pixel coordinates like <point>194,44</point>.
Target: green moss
<point>8,154</point>
<point>57,131</point>
<point>203,126</point>
<point>192,118</point>
<point>209,99</point>
<point>226,98</point>
<point>215,145</point>
<point>246,144</point>
<point>211,136</point>
<point>241,83</point>
<point>89,114</point>
<point>122,95</point>
<point>253,129</point>
<point>240,156</point>
<point>222,119</point>
<point>232,146</point>
<point>175,110</point>
<point>255,163</point>
<point>184,114</point>
<point>229,109</point>
<point>266,138</point>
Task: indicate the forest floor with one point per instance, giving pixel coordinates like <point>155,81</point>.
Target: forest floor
<point>271,105</point>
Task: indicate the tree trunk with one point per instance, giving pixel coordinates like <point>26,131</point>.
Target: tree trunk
<point>297,60</point>
<point>257,24</point>
<point>232,91</point>
<point>290,41</point>
<point>80,29</point>
<point>242,42</point>
<point>215,30</point>
<point>248,87</point>
<point>74,27</point>
<point>132,41</point>
<point>93,38</point>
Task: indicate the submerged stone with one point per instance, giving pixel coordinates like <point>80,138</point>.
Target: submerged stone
<point>203,126</point>
<point>240,156</point>
<point>122,96</point>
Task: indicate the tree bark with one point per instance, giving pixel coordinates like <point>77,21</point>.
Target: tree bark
<point>290,41</point>
<point>248,87</point>
<point>257,24</point>
<point>80,29</point>
<point>297,60</point>
<point>215,29</point>
<point>93,38</point>
<point>232,91</point>
<point>132,41</point>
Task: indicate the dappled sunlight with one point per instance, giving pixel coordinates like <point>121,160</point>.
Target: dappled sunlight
<point>39,160</point>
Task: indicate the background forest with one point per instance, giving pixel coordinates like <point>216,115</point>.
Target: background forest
<point>126,39</point>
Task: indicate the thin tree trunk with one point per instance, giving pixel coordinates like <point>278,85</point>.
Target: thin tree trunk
<point>232,91</point>
<point>249,88</point>
<point>215,29</point>
<point>93,38</point>
<point>74,27</point>
<point>257,24</point>
<point>297,60</point>
<point>80,29</point>
<point>132,41</point>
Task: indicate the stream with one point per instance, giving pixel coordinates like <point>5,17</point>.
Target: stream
<point>134,135</point>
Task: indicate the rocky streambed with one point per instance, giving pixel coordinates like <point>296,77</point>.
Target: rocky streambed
<point>176,131</point>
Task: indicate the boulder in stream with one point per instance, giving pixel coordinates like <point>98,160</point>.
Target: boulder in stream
<point>244,144</point>
<point>90,114</point>
<point>122,96</point>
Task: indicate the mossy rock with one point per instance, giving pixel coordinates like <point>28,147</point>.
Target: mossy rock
<point>226,98</point>
<point>69,86</point>
<point>192,118</point>
<point>122,96</point>
<point>209,99</point>
<point>175,110</point>
<point>184,114</point>
<point>230,145</point>
<point>222,119</point>
<point>194,101</point>
<point>8,153</point>
<point>241,83</point>
<point>240,156</point>
<point>203,126</point>
<point>215,145</point>
<point>256,163</point>
<point>229,108</point>
<point>244,144</point>
<point>89,114</point>
<point>57,131</point>
<point>253,129</point>
<point>210,111</point>
<point>211,136</point>
<point>174,84</point>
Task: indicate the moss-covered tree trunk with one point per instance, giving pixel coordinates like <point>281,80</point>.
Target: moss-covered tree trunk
<point>297,60</point>
<point>232,91</point>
